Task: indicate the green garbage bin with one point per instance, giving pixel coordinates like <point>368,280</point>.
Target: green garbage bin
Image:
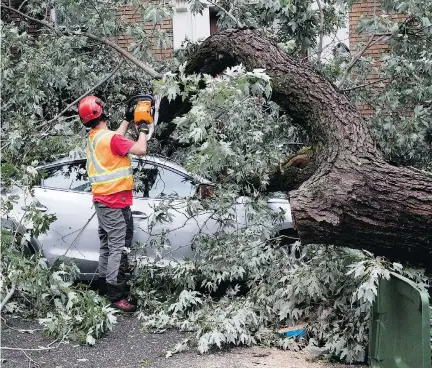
<point>400,327</point>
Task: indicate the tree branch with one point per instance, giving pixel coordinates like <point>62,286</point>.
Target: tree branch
<point>7,297</point>
<point>149,70</point>
<point>24,349</point>
<point>36,365</point>
<point>39,348</point>
<point>365,84</point>
<point>41,22</point>
<point>229,14</point>
<point>100,83</point>
<point>355,59</point>
<point>20,330</point>
<point>320,44</point>
<point>22,4</point>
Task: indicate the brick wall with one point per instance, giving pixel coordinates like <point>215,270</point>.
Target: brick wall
<point>131,15</point>
<point>368,9</point>
<point>32,29</point>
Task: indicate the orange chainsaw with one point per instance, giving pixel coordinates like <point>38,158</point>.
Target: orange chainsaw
<point>141,108</point>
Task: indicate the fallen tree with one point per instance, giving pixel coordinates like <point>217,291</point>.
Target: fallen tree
<point>329,288</point>
<point>354,197</point>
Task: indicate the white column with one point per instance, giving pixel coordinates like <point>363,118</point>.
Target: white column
<point>187,25</point>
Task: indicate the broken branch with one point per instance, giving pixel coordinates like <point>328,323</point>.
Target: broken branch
<point>40,348</point>
<point>149,70</point>
<point>7,297</point>
<point>100,83</point>
<point>365,84</point>
<point>356,58</point>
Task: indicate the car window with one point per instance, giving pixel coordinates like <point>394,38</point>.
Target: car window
<point>67,177</point>
<point>150,180</point>
<point>157,182</point>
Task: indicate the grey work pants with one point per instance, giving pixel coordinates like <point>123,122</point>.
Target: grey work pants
<point>115,234</point>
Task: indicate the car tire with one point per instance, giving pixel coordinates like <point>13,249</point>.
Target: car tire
<point>9,226</point>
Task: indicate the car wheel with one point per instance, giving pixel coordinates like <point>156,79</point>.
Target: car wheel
<point>8,228</point>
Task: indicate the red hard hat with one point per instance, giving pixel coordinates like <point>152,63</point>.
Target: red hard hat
<point>89,108</point>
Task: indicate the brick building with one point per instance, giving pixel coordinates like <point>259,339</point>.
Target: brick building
<point>184,24</point>
<point>130,14</point>
<point>369,9</point>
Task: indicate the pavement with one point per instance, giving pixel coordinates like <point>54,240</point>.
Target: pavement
<point>128,347</point>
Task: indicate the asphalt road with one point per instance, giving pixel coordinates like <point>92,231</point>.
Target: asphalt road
<point>126,346</point>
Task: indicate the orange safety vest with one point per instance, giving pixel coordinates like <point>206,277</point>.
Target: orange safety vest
<point>108,173</point>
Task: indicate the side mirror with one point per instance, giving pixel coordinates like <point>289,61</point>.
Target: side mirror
<point>205,191</point>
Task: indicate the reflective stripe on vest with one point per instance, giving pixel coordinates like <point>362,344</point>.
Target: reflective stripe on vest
<point>92,147</point>
<point>102,175</point>
<point>111,176</point>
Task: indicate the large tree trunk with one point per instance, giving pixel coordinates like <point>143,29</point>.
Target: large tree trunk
<point>354,198</point>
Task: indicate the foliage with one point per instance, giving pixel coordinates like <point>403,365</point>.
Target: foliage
<point>401,123</point>
<point>81,315</point>
<point>330,290</point>
<point>232,133</point>
<point>41,76</point>
<point>289,21</point>
<point>214,129</point>
<point>65,311</point>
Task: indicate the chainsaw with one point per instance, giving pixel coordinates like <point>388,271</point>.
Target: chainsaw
<point>145,109</point>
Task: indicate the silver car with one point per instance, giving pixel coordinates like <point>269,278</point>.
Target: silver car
<point>66,192</point>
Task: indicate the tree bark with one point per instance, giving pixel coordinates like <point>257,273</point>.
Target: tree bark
<point>354,198</point>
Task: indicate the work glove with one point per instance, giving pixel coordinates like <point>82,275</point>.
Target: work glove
<point>144,129</point>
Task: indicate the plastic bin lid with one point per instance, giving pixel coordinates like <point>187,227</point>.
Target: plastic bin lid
<point>399,334</point>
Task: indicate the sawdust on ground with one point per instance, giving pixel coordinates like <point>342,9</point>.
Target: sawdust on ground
<point>254,357</point>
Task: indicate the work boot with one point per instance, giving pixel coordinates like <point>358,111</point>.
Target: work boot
<point>102,286</point>
<point>124,305</point>
<point>115,293</point>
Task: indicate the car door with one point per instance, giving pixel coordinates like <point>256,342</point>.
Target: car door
<point>156,184</point>
<point>66,191</point>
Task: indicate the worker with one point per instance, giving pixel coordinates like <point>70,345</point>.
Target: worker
<point>110,173</point>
